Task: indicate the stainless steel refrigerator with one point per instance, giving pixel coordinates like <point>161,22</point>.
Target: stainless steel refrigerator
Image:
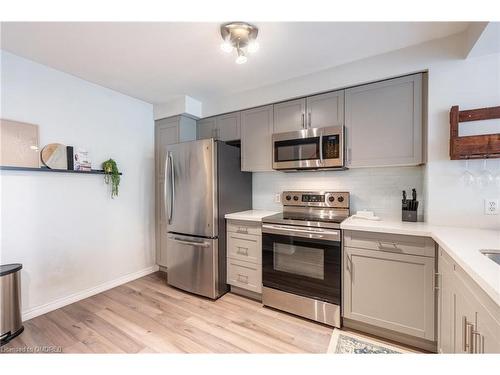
<point>203,182</point>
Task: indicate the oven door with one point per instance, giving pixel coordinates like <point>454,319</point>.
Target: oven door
<point>303,261</point>
<point>309,149</point>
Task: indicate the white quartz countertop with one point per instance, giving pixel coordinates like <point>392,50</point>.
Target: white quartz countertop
<point>250,215</point>
<point>462,244</point>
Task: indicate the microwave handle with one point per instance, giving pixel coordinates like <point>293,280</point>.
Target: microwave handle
<point>321,148</point>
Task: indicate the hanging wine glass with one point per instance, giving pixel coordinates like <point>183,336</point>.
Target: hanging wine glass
<point>485,177</point>
<point>467,177</point>
<point>497,176</point>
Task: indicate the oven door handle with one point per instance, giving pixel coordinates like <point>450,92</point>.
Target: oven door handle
<point>304,233</point>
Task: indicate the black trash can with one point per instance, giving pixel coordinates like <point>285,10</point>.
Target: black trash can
<point>10,290</point>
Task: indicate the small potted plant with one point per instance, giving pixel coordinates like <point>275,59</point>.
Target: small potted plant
<point>111,175</point>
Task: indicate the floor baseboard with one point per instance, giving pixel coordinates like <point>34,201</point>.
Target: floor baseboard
<point>72,298</point>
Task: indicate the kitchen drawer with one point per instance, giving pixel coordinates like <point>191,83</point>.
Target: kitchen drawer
<point>244,247</point>
<point>394,243</point>
<point>244,275</point>
<point>244,227</point>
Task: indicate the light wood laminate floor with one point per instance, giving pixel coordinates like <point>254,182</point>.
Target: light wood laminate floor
<point>148,316</point>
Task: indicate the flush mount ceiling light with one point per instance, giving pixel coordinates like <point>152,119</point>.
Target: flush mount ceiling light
<point>239,36</point>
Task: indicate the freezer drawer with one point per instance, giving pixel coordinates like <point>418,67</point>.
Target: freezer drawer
<point>192,264</point>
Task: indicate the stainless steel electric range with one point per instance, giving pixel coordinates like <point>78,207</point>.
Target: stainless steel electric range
<point>302,254</point>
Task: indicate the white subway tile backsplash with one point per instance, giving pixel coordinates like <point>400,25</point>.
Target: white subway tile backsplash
<point>375,189</point>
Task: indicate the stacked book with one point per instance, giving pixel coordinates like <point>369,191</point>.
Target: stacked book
<point>81,161</point>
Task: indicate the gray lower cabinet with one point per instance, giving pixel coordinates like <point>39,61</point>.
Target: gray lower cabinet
<point>244,256</point>
<point>167,131</point>
<point>383,123</point>
<point>469,320</point>
<point>256,133</point>
<point>390,290</point>
<point>224,127</point>
<point>446,305</point>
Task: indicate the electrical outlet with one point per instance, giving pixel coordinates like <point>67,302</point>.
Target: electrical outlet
<point>491,207</point>
<point>277,197</point>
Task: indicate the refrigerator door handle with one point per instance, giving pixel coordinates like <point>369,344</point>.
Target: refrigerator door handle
<point>169,165</point>
<point>165,181</point>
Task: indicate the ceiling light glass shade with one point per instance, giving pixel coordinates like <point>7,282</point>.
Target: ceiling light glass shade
<point>241,59</point>
<point>226,46</point>
<point>239,37</point>
<point>253,46</point>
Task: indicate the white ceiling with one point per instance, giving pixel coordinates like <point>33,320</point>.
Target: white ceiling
<point>156,62</point>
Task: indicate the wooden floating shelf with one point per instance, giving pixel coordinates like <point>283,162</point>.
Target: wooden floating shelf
<point>475,146</point>
<point>45,169</point>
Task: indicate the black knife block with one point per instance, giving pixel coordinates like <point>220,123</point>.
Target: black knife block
<point>409,216</point>
<point>409,211</point>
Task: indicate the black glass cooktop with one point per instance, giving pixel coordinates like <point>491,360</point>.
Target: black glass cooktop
<point>306,219</point>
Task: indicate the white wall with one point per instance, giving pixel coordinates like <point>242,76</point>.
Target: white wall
<point>471,83</point>
<point>452,80</point>
<point>65,229</point>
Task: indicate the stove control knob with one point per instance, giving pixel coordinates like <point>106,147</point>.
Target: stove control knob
<point>288,197</point>
<point>331,198</point>
<point>340,199</point>
<point>295,198</point>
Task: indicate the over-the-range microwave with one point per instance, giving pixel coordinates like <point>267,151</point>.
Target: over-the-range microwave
<point>315,148</point>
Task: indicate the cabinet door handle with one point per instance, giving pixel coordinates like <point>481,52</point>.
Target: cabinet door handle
<point>349,267</point>
<point>303,121</point>
<point>310,119</point>
<point>467,329</point>
<point>478,344</point>
<point>437,281</point>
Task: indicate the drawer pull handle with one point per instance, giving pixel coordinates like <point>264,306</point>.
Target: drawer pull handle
<point>385,245</point>
<point>243,278</point>
<point>243,230</point>
<point>242,250</point>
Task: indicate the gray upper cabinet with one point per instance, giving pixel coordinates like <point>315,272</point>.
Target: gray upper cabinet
<point>227,127</point>
<point>290,116</point>
<point>224,128</point>
<point>317,111</point>
<point>256,132</point>
<point>205,128</point>
<point>383,123</point>
<point>325,110</point>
